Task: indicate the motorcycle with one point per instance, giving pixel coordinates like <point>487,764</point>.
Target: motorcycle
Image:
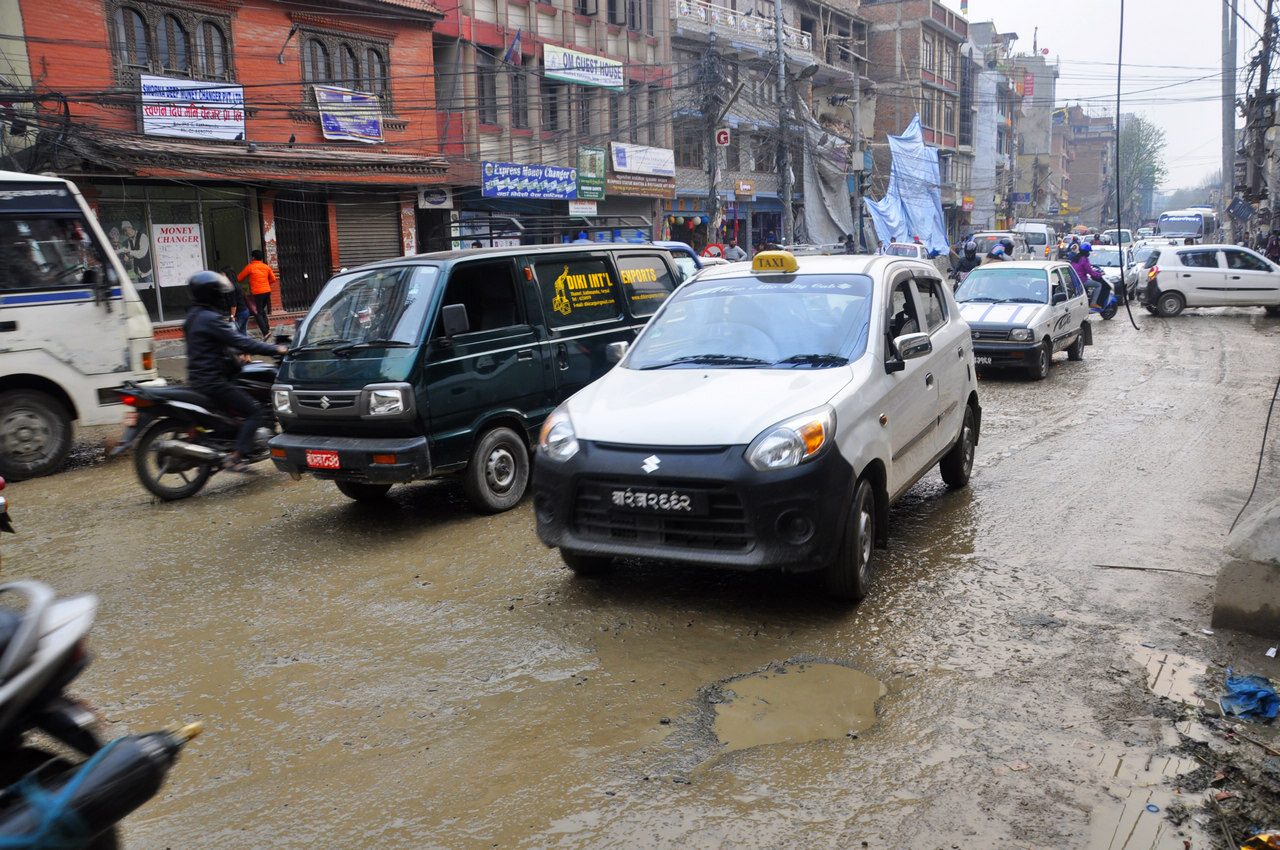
<point>180,439</point>
<point>47,800</point>
<point>1104,296</point>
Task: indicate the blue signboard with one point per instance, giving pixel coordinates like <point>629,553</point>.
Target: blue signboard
<point>514,180</point>
<point>1022,197</point>
<point>350,115</point>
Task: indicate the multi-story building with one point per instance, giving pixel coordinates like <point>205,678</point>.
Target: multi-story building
<point>996,126</point>
<point>1038,171</point>
<point>201,130</point>
<point>1089,139</point>
<point>725,61</point>
<point>914,48</point>
<point>555,117</point>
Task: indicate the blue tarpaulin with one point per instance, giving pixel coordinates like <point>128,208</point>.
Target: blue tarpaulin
<point>1250,695</point>
<point>912,205</point>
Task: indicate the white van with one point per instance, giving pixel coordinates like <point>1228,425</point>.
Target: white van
<point>1041,238</point>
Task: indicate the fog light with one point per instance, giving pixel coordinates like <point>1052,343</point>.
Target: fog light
<point>277,452</point>
<point>795,527</point>
<point>384,458</point>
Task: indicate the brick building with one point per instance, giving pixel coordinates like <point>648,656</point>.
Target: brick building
<point>204,129</point>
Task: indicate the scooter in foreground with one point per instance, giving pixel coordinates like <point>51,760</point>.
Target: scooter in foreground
<point>47,801</point>
<point>1103,298</point>
<point>180,439</point>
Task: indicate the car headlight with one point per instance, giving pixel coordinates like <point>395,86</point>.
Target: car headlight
<point>558,441</point>
<point>794,441</point>
<point>280,400</point>
<point>1021,335</point>
<point>386,402</point>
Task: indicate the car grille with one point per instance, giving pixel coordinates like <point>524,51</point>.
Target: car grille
<point>332,402</point>
<point>724,528</point>
<point>995,336</point>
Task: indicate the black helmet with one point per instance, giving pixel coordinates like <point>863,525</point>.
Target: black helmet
<point>209,288</point>
<point>1008,245</point>
<point>970,248</point>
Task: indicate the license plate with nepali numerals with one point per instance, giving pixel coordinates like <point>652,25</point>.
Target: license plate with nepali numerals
<point>982,361</point>
<point>663,501</point>
<point>322,460</point>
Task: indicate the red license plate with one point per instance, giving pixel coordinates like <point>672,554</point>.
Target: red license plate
<point>322,460</point>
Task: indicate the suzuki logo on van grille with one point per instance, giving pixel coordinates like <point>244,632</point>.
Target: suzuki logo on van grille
<point>651,463</point>
<point>324,402</point>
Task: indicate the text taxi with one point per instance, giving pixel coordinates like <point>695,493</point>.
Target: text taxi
<point>766,418</point>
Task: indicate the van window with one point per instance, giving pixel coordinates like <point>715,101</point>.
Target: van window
<point>576,291</point>
<point>1035,237</point>
<point>380,304</point>
<point>488,291</point>
<point>646,282</point>
<point>39,253</point>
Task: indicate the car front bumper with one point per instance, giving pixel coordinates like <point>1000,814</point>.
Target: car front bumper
<point>376,460</point>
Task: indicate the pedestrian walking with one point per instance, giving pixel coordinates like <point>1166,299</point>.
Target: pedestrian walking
<point>261,277</point>
<point>734,252</point>
<point>240,307</point>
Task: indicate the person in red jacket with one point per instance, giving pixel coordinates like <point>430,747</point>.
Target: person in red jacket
<point>261,277</point>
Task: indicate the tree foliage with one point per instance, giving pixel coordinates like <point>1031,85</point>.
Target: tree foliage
<point>1142,168</point>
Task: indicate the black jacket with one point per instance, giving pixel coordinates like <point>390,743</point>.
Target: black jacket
<point>211,343</point>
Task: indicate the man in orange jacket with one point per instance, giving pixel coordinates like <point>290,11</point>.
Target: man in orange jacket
<point>261,277</point>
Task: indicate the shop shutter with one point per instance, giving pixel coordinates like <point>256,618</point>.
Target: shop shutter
<point>368,229</point>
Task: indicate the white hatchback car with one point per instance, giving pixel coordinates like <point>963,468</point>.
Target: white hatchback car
<point>1180,276</point>
<point>766,418</point>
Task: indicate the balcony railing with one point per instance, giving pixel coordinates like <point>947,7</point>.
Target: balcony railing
<point>744,24</point>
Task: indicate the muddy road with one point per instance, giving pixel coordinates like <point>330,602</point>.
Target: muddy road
<point>413,675</point>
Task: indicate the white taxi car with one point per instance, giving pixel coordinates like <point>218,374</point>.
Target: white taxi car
<point>766,418</point>
<point>1181,276</point>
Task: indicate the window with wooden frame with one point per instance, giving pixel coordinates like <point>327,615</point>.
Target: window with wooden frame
<point>688,144</point>
<point>551,93</point>
<point>519,86</point>
<point>486,88</point>
<point>345,61</point>
<point>168,40</point>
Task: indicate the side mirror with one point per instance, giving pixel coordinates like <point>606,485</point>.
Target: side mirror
<point>615,351</point>
<point>454,319</point>
<point>908,347</point>
<point>1059,298</point>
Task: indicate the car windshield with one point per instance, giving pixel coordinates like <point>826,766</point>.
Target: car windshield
<point>384,306</point>
<point>1105,257</point>
<point>996,284</point>
<point>811,322</point>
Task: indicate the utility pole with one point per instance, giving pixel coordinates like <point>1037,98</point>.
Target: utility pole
<point>1259,116</point>
<point>784,130</point>
<point>711,78</point>
<point>1228,111</point>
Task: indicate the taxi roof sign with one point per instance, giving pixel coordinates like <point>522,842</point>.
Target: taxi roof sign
<point>775,261</point>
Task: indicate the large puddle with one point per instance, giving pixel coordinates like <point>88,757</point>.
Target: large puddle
<point>1174,676</point>
<point>794,703</point>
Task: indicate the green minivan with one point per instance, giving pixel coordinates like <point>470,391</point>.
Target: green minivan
<point>447,363</point>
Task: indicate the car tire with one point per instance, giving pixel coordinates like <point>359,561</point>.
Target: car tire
<point>1041,359</point>
<point>35,434</point>
<point>1170,304</point>
<point>1273,309</point>
<point>1076,351</point>
<point>957,464</point>
<point>848,576</point>
<point>496,477</point>
<point>362,491</point>
<point>585,565</point>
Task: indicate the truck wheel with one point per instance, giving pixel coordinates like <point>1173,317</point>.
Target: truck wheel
<point>957,464</point>
<point>585,565</point>
<point>498,473</point>
<point>362,491</point>
<point>1040,360</point>
<point>848,577</point>
<point>35,434</point>
<point>1076,351</point>
<point>168,478</point>
<point>1170,304</point>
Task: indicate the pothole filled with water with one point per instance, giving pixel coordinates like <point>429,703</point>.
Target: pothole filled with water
<point>795,702</point>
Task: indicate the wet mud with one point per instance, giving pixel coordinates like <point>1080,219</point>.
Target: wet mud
<point>412,675</point>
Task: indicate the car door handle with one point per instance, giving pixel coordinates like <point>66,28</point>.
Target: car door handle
<point>562,356</point>
<point>1235,277</point>
<point>8,326</point>
<point>524,354</point>
<point>928,379</point>
<point>960,352</point>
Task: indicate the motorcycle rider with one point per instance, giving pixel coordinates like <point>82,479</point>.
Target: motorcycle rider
<point>211,363</point>
<point>968,262</point>
<point>995,255</point>
<point>1099,294</point>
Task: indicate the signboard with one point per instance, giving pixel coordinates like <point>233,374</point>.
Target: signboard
<point>435,198</point>
<point>177,251</point>
<point>640,186</point>
<point>1028,83</point>
<point>591,172</point>
<point>966,203</point>
<point>722,137</point>
<point>514,180</point>
<point>744,187</point>
<point>347,115</point>
<point>639,159</point>
<point>191,110</point>
<point>582,208</point>
<point>560,63</point>
<point>1022,197</point>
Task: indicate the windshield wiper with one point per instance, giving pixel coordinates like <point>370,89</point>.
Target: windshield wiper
<point>320,343</point>
<point>1021,301</point>
<point>814,360</point>
<point>981,298</point>
<point>370,343</point>
<point>718,359</point>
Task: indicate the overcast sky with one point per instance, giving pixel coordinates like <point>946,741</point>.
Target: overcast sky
<point>1172,64</point>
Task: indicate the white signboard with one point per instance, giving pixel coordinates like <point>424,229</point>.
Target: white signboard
<point>582,208</point>
<point>639,159</point>
<point>191,109</point>
<point>560,63</point>
<point>178,252</point>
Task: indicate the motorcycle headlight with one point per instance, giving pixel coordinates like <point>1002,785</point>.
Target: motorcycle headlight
<point>557,441</point>
<point>387,401</point>
<point>1020,335</point>
<point>794,441</point>
<point>280,400</point>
